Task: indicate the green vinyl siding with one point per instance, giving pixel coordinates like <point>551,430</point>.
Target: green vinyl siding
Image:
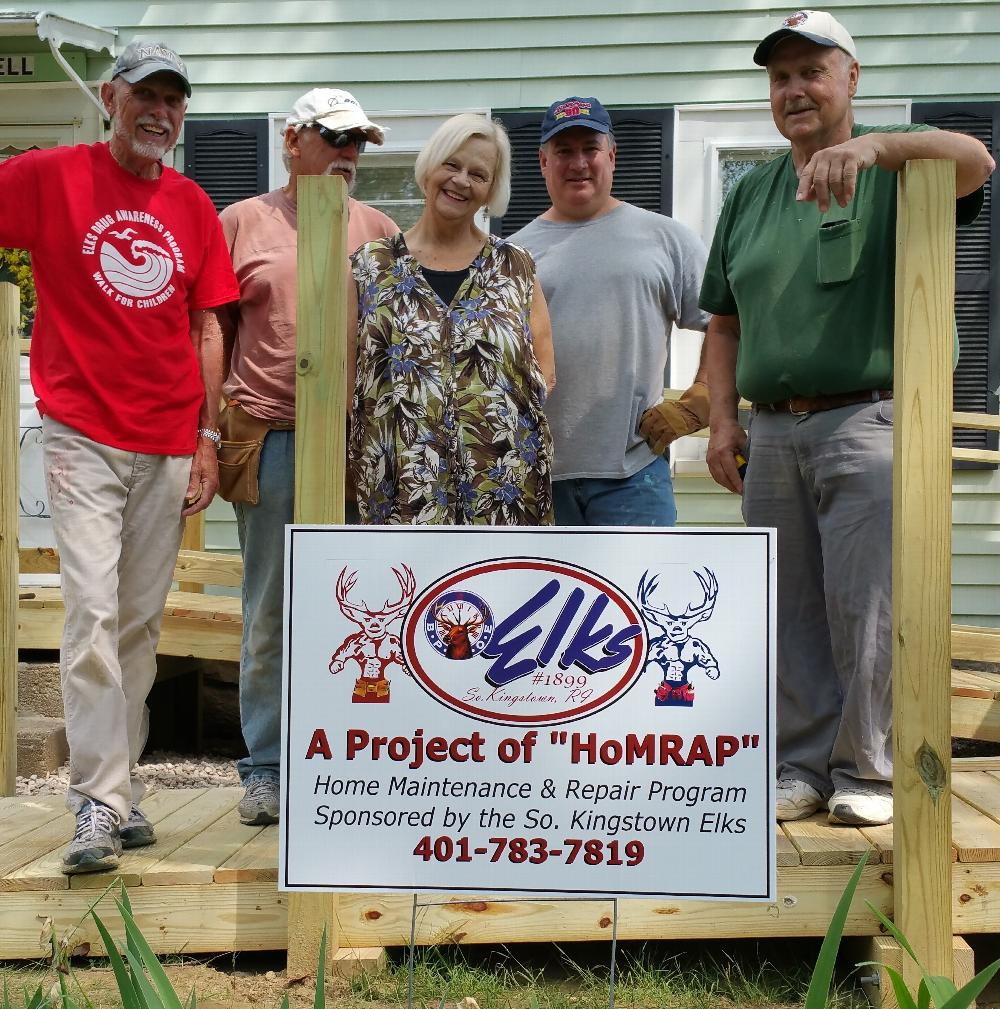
<point>253,56</point>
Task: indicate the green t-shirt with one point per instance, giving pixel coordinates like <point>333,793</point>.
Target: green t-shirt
<point>814,292</point>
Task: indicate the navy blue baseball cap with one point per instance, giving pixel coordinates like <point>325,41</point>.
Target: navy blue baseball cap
<point>568,112</point>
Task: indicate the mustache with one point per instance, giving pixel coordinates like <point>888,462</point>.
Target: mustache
<point>341,165</point>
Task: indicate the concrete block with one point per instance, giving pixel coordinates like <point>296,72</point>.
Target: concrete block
<point>38,688</point>
<point>41,745</point>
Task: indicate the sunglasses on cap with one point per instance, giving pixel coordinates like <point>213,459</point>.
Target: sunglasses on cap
<point>343,138</point>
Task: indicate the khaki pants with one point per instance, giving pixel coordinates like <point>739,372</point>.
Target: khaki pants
<point>117,522</point>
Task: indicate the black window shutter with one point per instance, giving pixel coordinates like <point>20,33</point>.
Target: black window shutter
<point>227,157</point>
<point>643,170</point>
<point>977,290</point>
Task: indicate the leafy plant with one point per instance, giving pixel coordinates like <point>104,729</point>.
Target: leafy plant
<point>937,991</point>
<point>15,265</point>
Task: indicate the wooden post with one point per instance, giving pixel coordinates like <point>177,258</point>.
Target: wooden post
<point>921,565</point>
<point>10,309</point>
<point>193,538</point>
<point>320,420</point>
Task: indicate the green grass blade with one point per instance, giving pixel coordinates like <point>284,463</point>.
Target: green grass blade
<point>284,1001</point>
<point>5,1002</point>
<point>903,997</point>
<point>125,989</point>
<point>67,1002</point>
<point>37,1001</point>
<point>147,958</point>
<point>144,990</point>
<point>822,977</point>
<point>192,1002</point>
<point>319,1002</point>
<point>923,995</point>
<point>940,988</point>
<point>891,928</point>
<point>966,995</point>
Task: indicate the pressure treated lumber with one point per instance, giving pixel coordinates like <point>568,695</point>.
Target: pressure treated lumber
<point>9,413</point>
<point>320,432</point>
<point>921,551</point>
<point>193,538</point>
<point>886,951</point>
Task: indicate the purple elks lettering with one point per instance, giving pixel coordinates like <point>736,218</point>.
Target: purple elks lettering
<point>504,648</point>
<point>503,671</point>
<point>586,637</point>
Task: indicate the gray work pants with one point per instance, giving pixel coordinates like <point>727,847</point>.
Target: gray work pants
<point>824,480</point>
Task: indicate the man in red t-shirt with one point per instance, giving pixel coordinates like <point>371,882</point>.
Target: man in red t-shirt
<point>325,134</point>
<point>130,268</point>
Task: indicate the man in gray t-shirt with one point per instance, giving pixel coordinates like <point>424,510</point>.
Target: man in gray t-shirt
<point>616,279</point>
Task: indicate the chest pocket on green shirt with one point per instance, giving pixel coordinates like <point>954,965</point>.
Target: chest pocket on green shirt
<point>838,249</point>
<point>841,236</point>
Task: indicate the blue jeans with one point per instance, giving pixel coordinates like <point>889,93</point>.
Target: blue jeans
<point>262,543</point>
<point>644,499</point>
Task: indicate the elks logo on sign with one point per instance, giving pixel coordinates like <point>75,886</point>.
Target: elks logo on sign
<point>538,641</point>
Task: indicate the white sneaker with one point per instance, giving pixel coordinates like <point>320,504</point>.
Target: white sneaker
<point>795,799</point>
<point>861,807</point>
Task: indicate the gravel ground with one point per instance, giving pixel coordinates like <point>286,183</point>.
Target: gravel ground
<point>162,769</point>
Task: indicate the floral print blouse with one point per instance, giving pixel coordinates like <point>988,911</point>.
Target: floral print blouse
<point>448,427</point>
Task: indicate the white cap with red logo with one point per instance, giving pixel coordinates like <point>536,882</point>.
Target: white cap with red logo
<point>820,27</point>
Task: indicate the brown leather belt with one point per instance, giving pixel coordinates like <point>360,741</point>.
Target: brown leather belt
<point>815,404</point>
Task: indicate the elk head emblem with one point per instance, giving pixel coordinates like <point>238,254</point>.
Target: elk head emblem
<point>375,623</point>
<point>677,626</point>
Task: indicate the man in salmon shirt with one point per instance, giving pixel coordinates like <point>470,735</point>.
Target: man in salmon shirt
<point>325,135</point>
<point>130,267</point>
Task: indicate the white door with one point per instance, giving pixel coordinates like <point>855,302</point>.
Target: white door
<point>714,146</point>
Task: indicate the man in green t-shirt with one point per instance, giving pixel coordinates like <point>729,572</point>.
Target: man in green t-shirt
<point>800,284</point>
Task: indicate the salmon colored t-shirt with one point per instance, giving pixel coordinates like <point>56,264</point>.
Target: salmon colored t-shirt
<point>261,235</point>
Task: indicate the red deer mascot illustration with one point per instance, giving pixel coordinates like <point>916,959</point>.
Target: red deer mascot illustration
<point>373,647</point>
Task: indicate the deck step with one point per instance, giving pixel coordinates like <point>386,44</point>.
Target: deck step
<point>975,704</point>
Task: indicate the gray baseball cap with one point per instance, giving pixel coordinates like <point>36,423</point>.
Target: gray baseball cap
<point>140,59</point>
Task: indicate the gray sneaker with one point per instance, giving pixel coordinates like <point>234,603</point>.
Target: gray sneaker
<point>138,831</point>
<point>259,806</point>
<point>96,844</point>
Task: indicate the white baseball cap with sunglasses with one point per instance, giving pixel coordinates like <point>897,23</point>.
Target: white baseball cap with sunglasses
<point>337,115</point>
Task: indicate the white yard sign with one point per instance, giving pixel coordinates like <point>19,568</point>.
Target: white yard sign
<point>514,711</point>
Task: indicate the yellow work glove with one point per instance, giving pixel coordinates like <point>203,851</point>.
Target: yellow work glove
<point>671,419</point>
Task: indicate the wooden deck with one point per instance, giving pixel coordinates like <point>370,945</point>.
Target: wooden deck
<point>209,884</point>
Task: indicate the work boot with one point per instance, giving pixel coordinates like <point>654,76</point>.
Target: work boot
<point>96,844</point>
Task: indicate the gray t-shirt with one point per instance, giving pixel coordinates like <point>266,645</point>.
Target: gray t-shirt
<point>615,285</point>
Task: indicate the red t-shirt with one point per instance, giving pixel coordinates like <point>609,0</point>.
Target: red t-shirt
<point>119,262</point>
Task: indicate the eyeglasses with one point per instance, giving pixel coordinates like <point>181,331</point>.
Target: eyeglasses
<point>343,138</point>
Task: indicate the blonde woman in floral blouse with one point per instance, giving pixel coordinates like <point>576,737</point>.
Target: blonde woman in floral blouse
<point>452,353</point>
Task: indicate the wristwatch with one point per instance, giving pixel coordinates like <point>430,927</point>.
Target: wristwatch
<point>211,434</point>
